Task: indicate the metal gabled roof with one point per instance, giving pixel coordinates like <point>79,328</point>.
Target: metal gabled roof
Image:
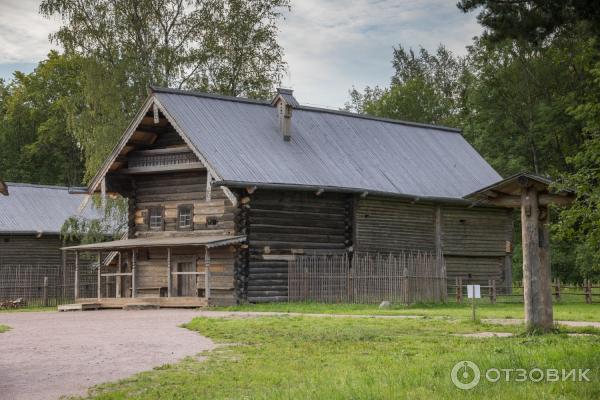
<point>39,208</point>
<point>241,141</point>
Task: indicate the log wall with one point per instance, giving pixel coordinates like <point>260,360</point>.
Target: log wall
<point>280,224</point>
<point>29,250</point>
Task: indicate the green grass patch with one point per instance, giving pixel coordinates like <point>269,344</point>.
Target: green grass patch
<point>4,328</point>
<point>360,358</point>
<point>562,311</point>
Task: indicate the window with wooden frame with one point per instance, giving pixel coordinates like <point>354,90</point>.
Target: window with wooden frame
<point>185,217</point>
<point>155,219</point>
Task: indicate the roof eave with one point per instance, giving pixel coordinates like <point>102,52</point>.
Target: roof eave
<point>336,189</point>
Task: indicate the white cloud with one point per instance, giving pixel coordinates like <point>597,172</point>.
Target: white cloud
<point>24,32</point>
<point>330,45</point>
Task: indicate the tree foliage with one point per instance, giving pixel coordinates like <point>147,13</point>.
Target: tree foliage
<point>224,46</point>
<point>36,144</point>
<point>426,87</point>
<point>532,21</point>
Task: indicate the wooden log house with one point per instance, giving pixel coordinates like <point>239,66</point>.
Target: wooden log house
<point>224,191</point>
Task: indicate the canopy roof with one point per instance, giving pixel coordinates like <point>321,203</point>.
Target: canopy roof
<point>206,241</point>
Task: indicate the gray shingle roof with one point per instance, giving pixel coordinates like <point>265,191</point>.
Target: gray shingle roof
<point>241,141</point>
<point>38,208</point>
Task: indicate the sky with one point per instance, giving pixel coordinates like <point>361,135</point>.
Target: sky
<point>330,45</point>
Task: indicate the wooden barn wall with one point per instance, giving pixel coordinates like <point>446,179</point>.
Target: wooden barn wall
<point>282,223</point>
<point>29,250</point>
<point>385,224</point>
<point>476,241</point>
<point>170,190</point>
<point>477,244</point>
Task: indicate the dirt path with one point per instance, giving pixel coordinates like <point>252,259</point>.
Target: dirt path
<point>49,354</point>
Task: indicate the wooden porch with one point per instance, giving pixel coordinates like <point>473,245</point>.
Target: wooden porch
<point>183,278</point>
<point>162,302</point>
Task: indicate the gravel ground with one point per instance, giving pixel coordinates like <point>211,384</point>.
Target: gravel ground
<point>49,354</point>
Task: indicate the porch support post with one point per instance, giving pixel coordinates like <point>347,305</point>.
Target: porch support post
<point>207,273</point>
<point>99,275</point>
<point>119,278</point>
<point>133,280</point>
<point>169,276</point>
<point>76,283</point>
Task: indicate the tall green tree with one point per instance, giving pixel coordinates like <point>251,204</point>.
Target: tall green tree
<point>426,87</point>
<point>224,46</point>
<point>36,144</point>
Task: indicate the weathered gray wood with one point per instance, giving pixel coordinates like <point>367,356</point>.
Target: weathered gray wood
<point>76,281</point>
<point>169,273</point>
<point>133,273</point>
<point>99,275</point>
<point>207,274</point>
<point>536,290</point>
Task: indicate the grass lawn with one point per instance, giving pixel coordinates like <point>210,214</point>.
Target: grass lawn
<point>562,311</point>
<point>4,328</point>
<point>347,358</point>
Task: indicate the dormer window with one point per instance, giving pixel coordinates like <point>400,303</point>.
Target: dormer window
<point>155,220</point>
<point>185,214</point>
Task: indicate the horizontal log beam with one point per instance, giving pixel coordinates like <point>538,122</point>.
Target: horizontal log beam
<point>544,200</point>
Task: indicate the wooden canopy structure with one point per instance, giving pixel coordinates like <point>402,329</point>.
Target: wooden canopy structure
<point>533,195</point>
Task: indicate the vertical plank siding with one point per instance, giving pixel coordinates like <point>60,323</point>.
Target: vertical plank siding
<point>475,242</point>
<point>405,277</point>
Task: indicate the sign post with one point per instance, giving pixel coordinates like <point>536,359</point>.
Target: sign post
<point>473,292</point>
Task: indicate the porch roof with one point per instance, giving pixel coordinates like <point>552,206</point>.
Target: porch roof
<point>206,241</point>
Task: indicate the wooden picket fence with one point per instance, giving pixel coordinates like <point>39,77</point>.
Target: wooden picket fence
<point>406,277</point>
<point>561,292</point>
<point>44,284</point>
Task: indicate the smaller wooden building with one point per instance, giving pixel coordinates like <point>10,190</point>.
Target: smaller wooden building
<point>31,217</point>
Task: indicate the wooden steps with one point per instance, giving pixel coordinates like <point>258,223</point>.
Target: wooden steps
<point>79,307</point>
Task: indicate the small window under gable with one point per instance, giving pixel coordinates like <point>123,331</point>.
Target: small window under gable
<point>155,218</point>
<point>185,217</point>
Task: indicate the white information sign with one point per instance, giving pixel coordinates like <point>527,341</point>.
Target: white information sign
<point>474,291</point>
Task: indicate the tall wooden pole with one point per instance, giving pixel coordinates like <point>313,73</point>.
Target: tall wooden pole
<point>119,279</point>
<point>76,283</point>
<point>133,280</point>
<point>536,267</point>
<point>169,272</point>
<point>99,291</point>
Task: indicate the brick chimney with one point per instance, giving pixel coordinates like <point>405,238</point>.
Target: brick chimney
<point>285,102</point>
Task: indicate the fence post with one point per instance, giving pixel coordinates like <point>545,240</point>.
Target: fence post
<point>557,289</point>
<point>406,286</point>
<point>45,292</point>
<point>588,291</point>
<point>493,291</point>
<point>459,290</point>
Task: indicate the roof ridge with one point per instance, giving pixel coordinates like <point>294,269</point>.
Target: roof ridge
<point>158,89</point>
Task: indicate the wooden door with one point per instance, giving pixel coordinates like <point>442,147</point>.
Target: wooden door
<point>186,284</point>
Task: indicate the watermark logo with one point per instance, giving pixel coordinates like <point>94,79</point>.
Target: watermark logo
<point>466,375</point>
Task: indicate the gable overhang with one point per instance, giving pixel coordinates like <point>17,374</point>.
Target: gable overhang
<point>150,103</point>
